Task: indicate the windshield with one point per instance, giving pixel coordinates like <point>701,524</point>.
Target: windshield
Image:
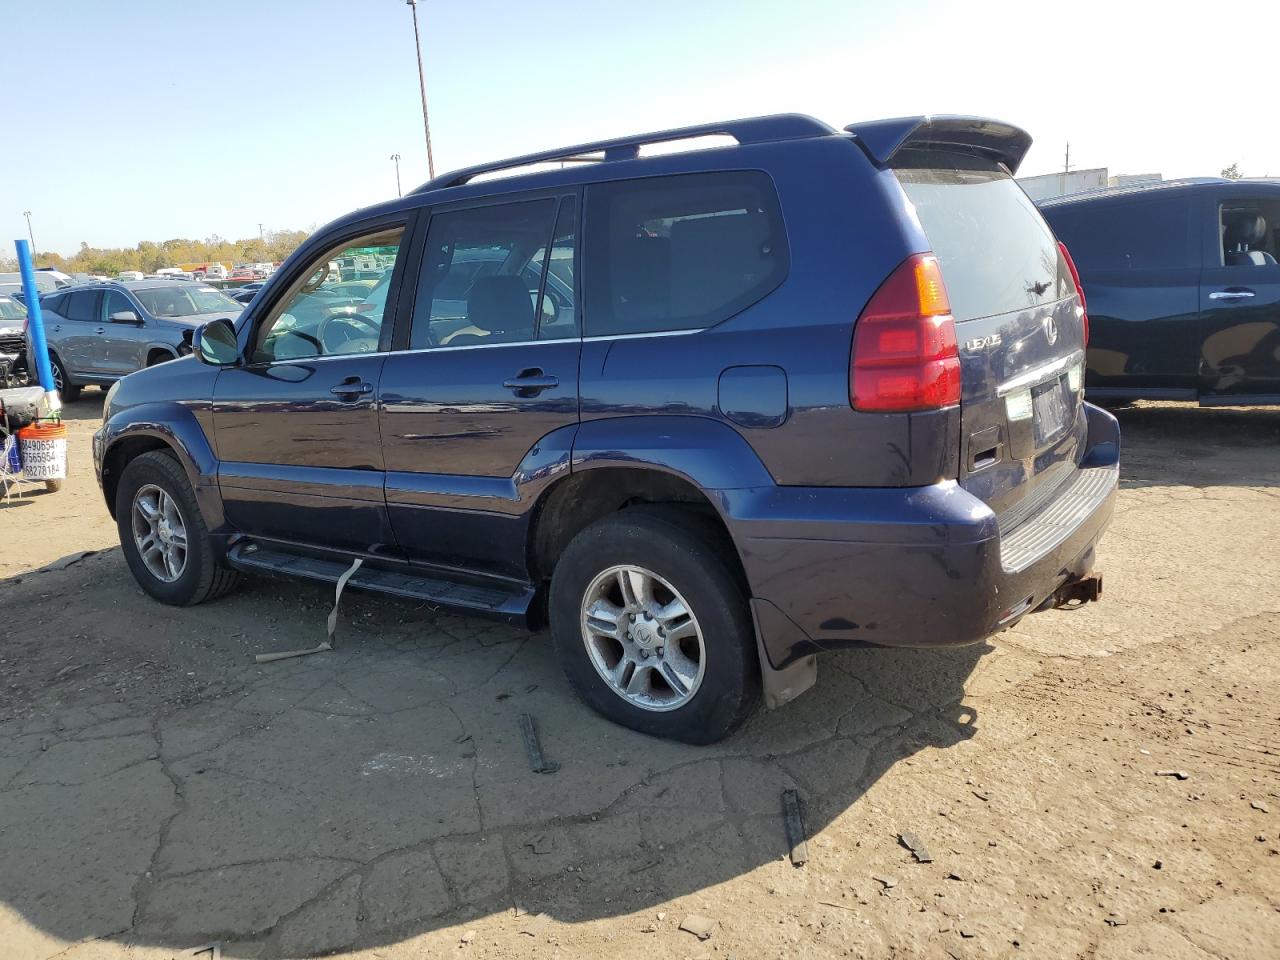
<point>11,309</point>
<point>184,301</point>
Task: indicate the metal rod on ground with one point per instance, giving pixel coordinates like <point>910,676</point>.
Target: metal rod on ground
<point>35,327</point>
<point>795,828</point>
<point>537,762</point>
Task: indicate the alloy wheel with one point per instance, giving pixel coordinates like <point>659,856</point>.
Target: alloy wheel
<point>643,638</point>
<point>160,533</point>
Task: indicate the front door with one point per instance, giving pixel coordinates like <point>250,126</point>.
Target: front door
<point>485,395</point>
<point>121,349</point>
<point>1240,303</point>
<point>296,425</point>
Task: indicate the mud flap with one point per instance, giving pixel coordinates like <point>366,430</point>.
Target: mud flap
<point>781,685</point>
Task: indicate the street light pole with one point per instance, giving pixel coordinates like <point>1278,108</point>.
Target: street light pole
<point>422,86</point>
<point>30,232</point>
<point>396,158</point>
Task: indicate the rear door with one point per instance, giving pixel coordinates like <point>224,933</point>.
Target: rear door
<point>75,335</point>
<point>1018,326</point>
<point>1139,259</point>
<point>488,371</point>
<point>1240,301</point>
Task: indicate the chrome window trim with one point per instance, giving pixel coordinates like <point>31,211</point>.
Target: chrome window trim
<point>478,346</point>
<point>640,336</point>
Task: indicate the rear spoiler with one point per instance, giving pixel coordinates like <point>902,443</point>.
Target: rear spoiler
<point>882,139</point>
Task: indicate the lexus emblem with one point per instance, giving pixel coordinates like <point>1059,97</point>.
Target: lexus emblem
<point>1050,331</point>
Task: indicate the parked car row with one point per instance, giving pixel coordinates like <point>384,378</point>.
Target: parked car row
<point>705,413</point>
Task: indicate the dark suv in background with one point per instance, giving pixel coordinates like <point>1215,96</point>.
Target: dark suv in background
<point>1183,288</point>
<point>706,412</point>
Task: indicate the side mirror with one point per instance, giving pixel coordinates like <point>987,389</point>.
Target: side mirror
<point>215,344</point>
<point>126,316</point>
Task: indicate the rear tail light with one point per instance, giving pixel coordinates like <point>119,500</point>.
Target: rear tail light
<point>904,345</point>
<point>1075,278</point>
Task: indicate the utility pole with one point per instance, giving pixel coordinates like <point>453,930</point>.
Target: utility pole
<point>422,86</point>
<point>1066,168</point>
<point>261,237</point>
<point>30,232</point>
<point>396,158</point>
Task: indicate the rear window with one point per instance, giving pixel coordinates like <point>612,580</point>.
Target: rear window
<point>996,252</point>
<point>1133,235</point>
<point>680,252</point>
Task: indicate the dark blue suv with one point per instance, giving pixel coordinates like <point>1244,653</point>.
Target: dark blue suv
<point>705,412</point>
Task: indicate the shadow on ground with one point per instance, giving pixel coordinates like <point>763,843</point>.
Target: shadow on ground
<point>157,787</point>
<point>1182,444</point>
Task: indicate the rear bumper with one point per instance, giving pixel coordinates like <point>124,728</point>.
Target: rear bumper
<point>914,567</point>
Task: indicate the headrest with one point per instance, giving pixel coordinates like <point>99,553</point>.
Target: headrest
<point>501,303</point>
<point>1245,228</point>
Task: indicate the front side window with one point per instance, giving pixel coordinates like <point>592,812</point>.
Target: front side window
<point>117,302</point>
<point>322,315</point>
<point>681,252</point>
<point>1250,232</point>
<point>184,300</point>
<point>482,275</point>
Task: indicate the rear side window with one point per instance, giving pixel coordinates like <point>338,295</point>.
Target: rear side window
<point>1133,235</point>
<point>481,275</point>
<point>55,302</point>
<point>81,305</point>
<point>996,252</point>
<point>681,252</point>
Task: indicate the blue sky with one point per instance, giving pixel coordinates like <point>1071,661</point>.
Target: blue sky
<point>157,119</point>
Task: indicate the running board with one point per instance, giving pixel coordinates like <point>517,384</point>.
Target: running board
<point>499,601</point>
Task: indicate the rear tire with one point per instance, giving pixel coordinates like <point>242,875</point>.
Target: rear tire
<point>152,478</point>
<point>714,675</point>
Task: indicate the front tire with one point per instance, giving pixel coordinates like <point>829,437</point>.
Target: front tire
<point>163,535</point>
<point>652,628</point>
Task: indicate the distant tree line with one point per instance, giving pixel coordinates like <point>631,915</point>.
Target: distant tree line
<point>149,257</point>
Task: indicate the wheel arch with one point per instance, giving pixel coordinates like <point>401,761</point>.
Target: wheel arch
<point>168,427</point>
<point>573,503</point>
<point>159,352</point>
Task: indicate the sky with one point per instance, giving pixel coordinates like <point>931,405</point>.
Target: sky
<point>155,119</point>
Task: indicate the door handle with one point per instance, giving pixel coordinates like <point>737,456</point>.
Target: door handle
<point>351,387</point>
<point>1235,293</point>
<point>530,382</point>
<point>101,330</point>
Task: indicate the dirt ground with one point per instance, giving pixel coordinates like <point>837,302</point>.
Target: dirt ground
<point>158,791</point>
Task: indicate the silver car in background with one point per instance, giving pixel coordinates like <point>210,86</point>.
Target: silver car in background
<point>100,332</point>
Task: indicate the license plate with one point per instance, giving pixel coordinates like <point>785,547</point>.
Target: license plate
<point>1051,404</point>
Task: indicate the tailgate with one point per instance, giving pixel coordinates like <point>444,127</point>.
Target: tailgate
<point>1018,326</point>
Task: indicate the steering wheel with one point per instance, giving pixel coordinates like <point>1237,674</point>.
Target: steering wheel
<point>354,321</point>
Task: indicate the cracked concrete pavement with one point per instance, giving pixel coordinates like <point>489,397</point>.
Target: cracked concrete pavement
<point>158,790</point>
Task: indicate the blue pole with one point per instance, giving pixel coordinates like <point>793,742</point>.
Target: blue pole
<point>35,322</point>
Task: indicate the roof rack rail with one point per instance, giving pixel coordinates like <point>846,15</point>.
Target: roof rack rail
<point>783,126</point>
